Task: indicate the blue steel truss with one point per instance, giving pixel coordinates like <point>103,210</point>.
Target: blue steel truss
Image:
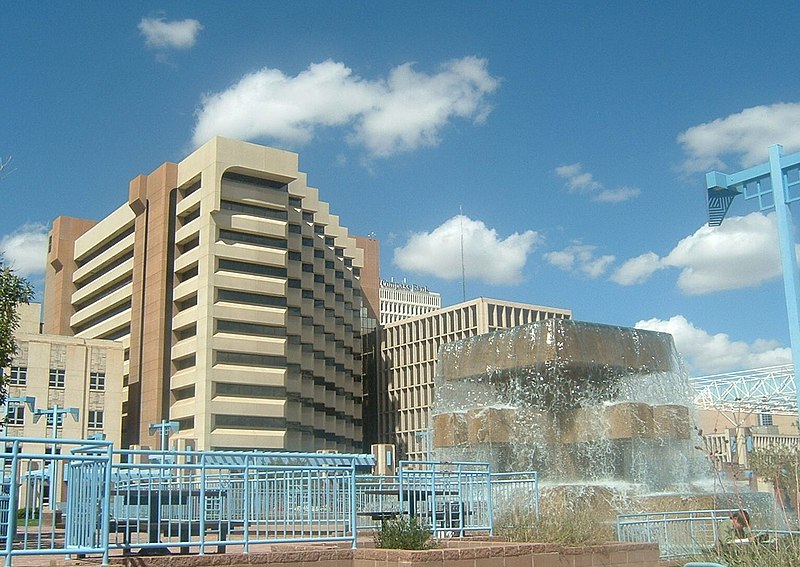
<point>760,390</point>
<point>753,183</point>
<point>775,185</point>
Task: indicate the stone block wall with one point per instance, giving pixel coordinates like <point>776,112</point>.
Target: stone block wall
<point>455,553</point>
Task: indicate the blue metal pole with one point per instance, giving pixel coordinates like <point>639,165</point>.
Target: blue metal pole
<point>786,243</point>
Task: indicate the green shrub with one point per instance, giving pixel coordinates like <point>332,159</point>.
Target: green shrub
<point>403,533</point>
<point>31,514</point>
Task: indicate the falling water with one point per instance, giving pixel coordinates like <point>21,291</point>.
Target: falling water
<point>581,403</point>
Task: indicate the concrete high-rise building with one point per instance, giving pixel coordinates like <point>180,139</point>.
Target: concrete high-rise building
<point>236,295</point>
<point>370,317</point>
<point>400,300</point>
<point>408,356</point>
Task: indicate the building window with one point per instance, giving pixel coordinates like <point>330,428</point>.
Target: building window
<point>97,381</point>
<point>765,419</point>
<point>15,415</point>
<point>248,298</point>
<point>253,210</point>
<point>248,359</point>
<point>185,362</point>
<point>250,238</point>
<point>57,377</point>
<point>255,329</point>
<point>18,376</point>
<point>250,268</point>
<point>95,419</point>
<point>257,181</point>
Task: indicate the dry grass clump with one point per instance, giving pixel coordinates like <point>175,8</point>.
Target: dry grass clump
<point>780,552</point>
<point>579,525</point>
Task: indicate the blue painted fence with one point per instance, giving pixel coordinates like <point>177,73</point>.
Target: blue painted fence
<point>678,534</point>
<point>77,497</point>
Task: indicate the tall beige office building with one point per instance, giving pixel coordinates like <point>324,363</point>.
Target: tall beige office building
<point>400,300</point>
<point>236,295</point>
<point>409,350</point>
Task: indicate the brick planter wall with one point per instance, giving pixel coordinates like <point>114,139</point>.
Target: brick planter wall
<point>448,554</point>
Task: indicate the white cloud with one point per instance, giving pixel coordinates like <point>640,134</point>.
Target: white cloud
<point>580,258</point>
<point>740,253</point>
<point>704,353</point>
<point>576,178</point>
<point>25,250</point>
<point>746,135</point>
<point>637,270</point>
<point>161,34</point>
<point>616,195</point>
<point>401,113</point>
<point>579,181</point>
<point>486,257</point>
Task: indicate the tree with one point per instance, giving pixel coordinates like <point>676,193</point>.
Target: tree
<point>780,464</point>
<point>14,291</point>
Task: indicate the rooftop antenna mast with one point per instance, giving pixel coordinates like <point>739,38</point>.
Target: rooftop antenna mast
<point>463,276</point>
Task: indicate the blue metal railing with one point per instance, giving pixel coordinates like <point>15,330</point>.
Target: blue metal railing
<point>136,501</point>
<point>202,499</point>
<point>450,498</point>
<point>28,490</point>
<point>377,499</point>
<point>678,534</point>
<point>513,490</point>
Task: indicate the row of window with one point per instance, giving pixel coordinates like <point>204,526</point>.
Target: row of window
<point>15,416</point>
<point>18,376</point>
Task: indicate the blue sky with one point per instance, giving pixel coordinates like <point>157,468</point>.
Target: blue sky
<point>573,137</point>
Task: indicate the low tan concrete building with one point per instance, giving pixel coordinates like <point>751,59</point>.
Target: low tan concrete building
<point>408,358</point>
<point>67,372</point>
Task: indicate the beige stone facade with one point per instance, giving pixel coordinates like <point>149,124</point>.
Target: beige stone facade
<point>70,372</point>
<point>408,356</point>
<point>236,294</point>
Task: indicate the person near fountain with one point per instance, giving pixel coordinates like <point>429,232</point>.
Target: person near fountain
<point>738,530</point>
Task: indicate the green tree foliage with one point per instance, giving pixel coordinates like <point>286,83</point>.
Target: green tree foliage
<point>14,291</point>
<point>780,464</point>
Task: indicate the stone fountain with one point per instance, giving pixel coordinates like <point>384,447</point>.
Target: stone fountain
<point>583,404</point>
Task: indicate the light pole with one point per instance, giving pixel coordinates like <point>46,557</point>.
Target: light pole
<point>164,428</point>
<point>56,414</point>
<point>775,184</point>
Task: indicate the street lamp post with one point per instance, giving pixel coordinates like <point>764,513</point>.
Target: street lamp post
<point>164,429</point>
<point>775,184</point>
<point>56,414</point>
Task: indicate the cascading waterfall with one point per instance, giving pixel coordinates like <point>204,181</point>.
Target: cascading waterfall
<point>582,403</point>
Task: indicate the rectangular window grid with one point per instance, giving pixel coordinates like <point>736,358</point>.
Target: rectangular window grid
<point>16,415</point>
<point>57,377</point>
<point>18,376</point>
<point>95,419</point>
<point>97,381</point>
